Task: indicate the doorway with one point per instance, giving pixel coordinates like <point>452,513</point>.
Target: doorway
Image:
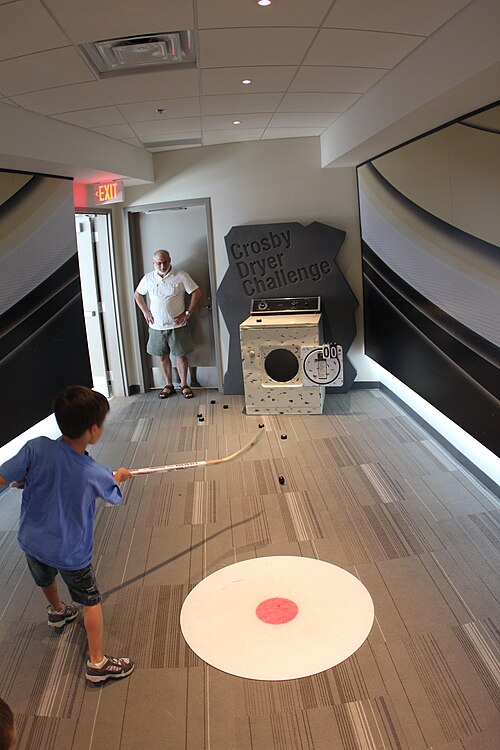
<point>97,277</point>
<point>184,230</point>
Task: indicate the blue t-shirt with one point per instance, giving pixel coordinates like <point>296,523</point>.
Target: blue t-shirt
<point>58,504</point>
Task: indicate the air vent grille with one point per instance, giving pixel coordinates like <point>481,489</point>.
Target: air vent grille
<point>171,144</point>
<point>109,57</point>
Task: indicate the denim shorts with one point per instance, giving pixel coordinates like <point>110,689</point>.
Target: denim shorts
<point>176,341</point>
<point>81,584</point>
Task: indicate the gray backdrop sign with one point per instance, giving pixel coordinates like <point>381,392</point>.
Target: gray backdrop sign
<point>285,260</point>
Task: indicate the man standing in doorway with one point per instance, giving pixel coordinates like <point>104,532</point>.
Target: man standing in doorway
<point>168,317</point>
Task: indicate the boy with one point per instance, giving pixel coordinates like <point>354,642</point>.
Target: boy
<point>7,727</point>
<point>56,527</point>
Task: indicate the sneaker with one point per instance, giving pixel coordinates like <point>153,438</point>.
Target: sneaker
<point>59,619</point>
<point>113,668</point>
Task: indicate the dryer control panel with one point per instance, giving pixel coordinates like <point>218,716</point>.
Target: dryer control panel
<point>284,305</point>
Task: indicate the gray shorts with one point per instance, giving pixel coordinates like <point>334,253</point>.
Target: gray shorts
<point>81,584</point>
<point>176,341</point>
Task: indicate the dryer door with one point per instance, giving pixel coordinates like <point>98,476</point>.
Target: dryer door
<point>281,365</point>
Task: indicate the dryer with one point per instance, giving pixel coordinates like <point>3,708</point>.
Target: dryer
<point>271,353</point>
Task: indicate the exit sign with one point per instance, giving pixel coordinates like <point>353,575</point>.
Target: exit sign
<point>108,192</point>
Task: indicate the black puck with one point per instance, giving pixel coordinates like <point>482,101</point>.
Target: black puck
<point>281,480</point>
<point>213,402</point>
<point>284,437</point>
<point>201,419</point>
<point>261,426</point>
<point>225,406</point>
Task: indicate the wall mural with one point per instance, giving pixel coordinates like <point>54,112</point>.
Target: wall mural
<point>43,346</point>
<point>285,260</point>
<point>431,270</point>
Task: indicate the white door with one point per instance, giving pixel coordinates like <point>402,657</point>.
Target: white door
<point>92,305</point>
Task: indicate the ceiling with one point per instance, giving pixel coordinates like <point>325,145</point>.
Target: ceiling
<point>308,62</point>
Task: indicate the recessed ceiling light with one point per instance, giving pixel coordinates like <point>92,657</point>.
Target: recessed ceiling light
<point>246,81</point>
<point>236,122</point>
<point>264,2</point>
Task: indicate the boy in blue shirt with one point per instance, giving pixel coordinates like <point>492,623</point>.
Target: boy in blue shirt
<point>7,727</point>
<point>56,528</point>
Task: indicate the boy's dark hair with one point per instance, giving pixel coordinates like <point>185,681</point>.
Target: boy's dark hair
<point>77,408</point>
<point>6,726</point>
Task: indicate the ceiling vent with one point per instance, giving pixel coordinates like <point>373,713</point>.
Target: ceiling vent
<point>137,53</point>
<point>172,144</point>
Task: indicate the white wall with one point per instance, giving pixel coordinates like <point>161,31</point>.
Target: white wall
<point>35,143</point>
<point>262,182</point>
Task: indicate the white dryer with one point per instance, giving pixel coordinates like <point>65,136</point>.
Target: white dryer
<point>271,352</point>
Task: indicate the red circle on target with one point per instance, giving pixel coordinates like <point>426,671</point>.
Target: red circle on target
<point>276,611</point>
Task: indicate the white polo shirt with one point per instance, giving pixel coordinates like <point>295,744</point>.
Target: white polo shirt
<point>166,296</point>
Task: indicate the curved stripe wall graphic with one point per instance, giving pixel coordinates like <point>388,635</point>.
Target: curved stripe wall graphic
<point>43,345</point>
<point>431,284</point>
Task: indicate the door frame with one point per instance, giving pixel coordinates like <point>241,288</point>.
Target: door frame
<point>107,290</point>
<point>137,273</point>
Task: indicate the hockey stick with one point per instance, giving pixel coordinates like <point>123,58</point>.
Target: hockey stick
<point>196,464</point>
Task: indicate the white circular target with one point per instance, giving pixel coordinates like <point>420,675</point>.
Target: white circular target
<point>277,618</point>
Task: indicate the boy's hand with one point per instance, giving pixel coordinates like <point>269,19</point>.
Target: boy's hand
<point>19,484</point>
<point>122,474</point>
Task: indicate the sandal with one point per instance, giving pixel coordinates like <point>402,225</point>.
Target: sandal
<point>167,391</point>
<point>187,392</point>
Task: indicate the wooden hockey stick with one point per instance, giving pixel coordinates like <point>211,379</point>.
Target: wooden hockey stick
<point>196,464</point>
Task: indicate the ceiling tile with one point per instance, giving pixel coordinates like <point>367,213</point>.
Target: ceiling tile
<point>93,20</point>
<point>65,98</point>
<point>116,131</point>
<point>317,102</point>
<point>26,27</point>
<point>92,118</point>
<point>144,87</point>
<point>147,130</point>
<point>133,141</point>
<point>343,46</point>
<point>273,133</point>
<point>323,79</point>
<point>224,47</point>
<point>403,16</point>
<point>215,14</point>
<point>42,71</point>
<point>144,111</point>
<point>371,49</point>
<point>229,136</point>
<point>225,122</point>
<point>229,80</point>
<point>215,105</point>
<point>301,120</point>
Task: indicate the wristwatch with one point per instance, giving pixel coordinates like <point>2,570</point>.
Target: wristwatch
<point>187,313</point>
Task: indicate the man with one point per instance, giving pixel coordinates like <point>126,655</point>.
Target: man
<point>167,317</point>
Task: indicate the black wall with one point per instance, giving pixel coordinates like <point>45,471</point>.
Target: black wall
<point>43,345</point>
<point>432,288</point>
<point>267,261</point>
